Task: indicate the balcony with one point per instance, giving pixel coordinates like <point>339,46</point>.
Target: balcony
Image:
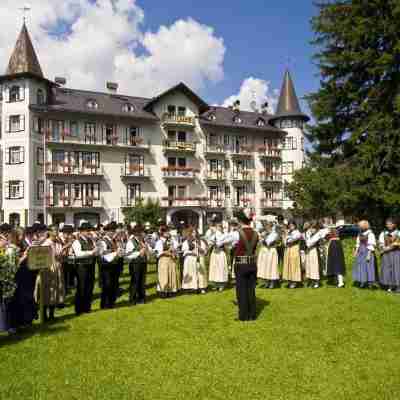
<point>133,202</point>
<point>68,202</point>
<point>137,172</point>
<point>269,152</point>
<point>217,203</point>
<point>180,121</point>
<point>270,178</point>
<point>218,175</point>
<point>180,147</point>
<point>271,204</point>
<point>242,176</point>
<point>179,173</point>
<point>69,169</point>
<point>184,202</point>
<point>216,150</point>
<point>99,141</point>
<point>242,151</point>
<point>244,202</point>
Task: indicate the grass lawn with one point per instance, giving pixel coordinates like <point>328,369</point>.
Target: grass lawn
<point>306,344</point>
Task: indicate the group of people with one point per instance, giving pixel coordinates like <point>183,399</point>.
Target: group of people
<point>273,253</point>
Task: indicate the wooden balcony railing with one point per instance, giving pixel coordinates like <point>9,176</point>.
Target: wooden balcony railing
<point>173,119</point>
<point>184,201</point>
<point>270,177</point>
<point>66,201</point>
<point>135,171</point>
<point>271,203</point>
<point>70,169</point>
<point>217,203</point>
<point>179,172</point>
<point>216,149</point>
<point>269,152</point>
<point>215,175</point>
<point>242,150</point>
<point>243,176</point>
<point>169,145</point>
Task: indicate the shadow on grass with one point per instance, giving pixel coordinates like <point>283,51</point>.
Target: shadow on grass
<point>41,330</point>
<point>261,304</point>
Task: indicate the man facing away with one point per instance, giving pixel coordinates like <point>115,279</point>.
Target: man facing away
<point>244,240</point>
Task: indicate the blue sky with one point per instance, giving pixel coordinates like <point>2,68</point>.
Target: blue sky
<point>260,36</point>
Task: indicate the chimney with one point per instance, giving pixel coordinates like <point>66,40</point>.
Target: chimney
<point>60,80</point>
<point>112,87</point>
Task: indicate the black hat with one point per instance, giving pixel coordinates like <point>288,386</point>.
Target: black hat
<point>85,226</point>
<point>5,228</point>
<point>112,226</point>
<point>29,230</point>
<point>37,227</point>
<point>67,229</point>
<point>242,217</point>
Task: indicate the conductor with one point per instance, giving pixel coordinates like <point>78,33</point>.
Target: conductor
<point>244,241</point>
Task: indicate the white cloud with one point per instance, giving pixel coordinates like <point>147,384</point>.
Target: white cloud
<point>253,89</point>
<point>101,40</point>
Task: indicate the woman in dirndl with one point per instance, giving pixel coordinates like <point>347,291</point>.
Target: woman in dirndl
<point>218,268</point>
<point>312,262</point>
<point>292,261</point>
<point>364,268</point>
<point>267,260</point>
<point>389,244</point>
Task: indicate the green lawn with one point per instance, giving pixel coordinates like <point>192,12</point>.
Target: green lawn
<point>306,344</point>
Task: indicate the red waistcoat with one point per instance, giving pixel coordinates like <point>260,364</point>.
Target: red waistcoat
<point>240,248</point>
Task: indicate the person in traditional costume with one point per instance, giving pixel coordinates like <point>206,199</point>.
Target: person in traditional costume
<point>194,268</point>
<point>8,284</point>
<point>245,242</point>
<point>66,238</point>
<point>136,254</point>
<point>168,275</point>
<point>389,244</point>
<point>109,256</point>
<point>268,261</point>
<point>364,268</point>
<point>84,254</point>
<point>51,278</point>
<point>312,238</point>
<point>233,226</point>
<point>335,260</point>
<point>218,267</point>
<point>292,262</point>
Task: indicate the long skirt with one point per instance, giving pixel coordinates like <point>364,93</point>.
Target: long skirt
<point>218,267</point>
<point>364,271</point>
<point>267,264</point>
<point>292,264</point>
<point>54,288</point>
<point>167,275</point>
<point>335,262</point>
<point>312,264</point>
<point>194,273</point>
<point>390,269</point>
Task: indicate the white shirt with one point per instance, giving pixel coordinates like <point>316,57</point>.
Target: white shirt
<point>312,238</point>
<point>103,251</point>
<point>394,234</point>
<point>293,236</point>
<point>130,254</point>
<point>78,252</point>
<point>371,241</point>
<point>271,238</point>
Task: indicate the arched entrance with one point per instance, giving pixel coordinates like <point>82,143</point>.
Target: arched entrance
<point>188,217</point>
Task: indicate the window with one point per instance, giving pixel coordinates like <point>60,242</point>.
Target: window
<point>40,96</point>
<point>73,129</point>
<point>289,143</point>
<point>39,156</point>
<point>213,139</point>
<point>212,117</point>
<point>227,192</point>
<point>16,93</point>
<point>38,125</point>
<point>16,123</point>
<point>226,140</point>
<point>15,155</point>
<point>90,132</point>
<point>135,164</point>
<point>128,107</point>
<point>90,159</point>
<point>92,104</point>
<point>237,119</point>
<point>181,136</point>
<point>176,162</point>
<point>172,136</point>
<point>110,135</point>
<point>15,190</point>
<point>181,191</point>
<point>40,190</point>
<point>285,191</point>
<point>58,156</point>
<point>132,136</point>
<point>171,110</point>
<point>182,111</point>
<point>134,191</point>
<point>260,122</point>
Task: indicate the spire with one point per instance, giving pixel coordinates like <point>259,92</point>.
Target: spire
<point>23,58</point>
<point>288,104</point>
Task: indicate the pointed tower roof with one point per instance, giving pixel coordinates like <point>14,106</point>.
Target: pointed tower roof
<point>288,105</point>
<point>23,59</point>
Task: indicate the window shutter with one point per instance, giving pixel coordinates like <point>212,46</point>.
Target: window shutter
<point>7,155</point>
<point>22,92</point>
<point>21,189</point>
<point>7,190</point>
<point>7,94</point>
<point>22,123</point>
<point>96,190</point>
<point>22,154</point>
<point>8,122</point>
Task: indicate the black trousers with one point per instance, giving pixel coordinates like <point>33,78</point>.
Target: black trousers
<point>137,290</point>
<point>109,276</point>
<point>85,275</point>
<point>246,280</point>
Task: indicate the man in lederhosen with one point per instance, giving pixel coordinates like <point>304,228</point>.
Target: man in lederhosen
<point>84,253</point>
<point>244,241</point>
<point>136,252</point>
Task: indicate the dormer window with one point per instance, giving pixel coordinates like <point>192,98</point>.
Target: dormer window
<point>212,117</point>
<point>237,119</point>
<point>260,122</point>
<point>128,107</point>
<point>92,104</point>
<point>40,96</point>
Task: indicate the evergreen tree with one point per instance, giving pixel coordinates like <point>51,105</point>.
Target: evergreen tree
<point>357,108</point>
